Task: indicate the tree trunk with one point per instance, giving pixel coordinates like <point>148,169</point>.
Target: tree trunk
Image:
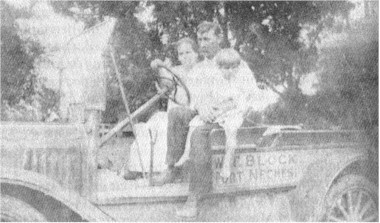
<point>223,25</point>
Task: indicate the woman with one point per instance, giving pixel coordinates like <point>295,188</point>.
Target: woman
<point>156,128</point>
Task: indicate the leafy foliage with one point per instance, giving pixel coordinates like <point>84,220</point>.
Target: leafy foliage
<point>348,84</point>
<point>350,79</point>
<point>266,33</point>
<point>17,59</point>
<point>269,36</point>
<point>23,95</point>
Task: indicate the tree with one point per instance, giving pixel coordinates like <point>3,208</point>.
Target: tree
<point>132,49</point>
<point>349,77</point>
<point>268,35</point>
<point>17,59</point>
<point>23,95</point>
<point>347,69</point>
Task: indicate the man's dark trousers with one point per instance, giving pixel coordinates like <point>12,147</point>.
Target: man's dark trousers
<point>200,166</point>
<point>178,128</point>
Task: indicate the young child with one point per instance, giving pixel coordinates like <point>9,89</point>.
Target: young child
<point>230,95</point>
<point>232,104</point>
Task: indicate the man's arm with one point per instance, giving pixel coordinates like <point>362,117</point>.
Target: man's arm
<point>200,86</point>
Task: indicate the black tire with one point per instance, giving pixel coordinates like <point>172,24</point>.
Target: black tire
<point>15,210</point>
<point>352,198</point>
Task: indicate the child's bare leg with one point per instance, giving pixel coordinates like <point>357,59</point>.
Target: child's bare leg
<point>231,145</point>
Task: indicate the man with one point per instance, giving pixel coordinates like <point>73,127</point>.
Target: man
<point>203,75</point>
<point>209,38</point>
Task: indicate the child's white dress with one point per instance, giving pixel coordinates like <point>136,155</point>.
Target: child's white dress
<point>231,98</point>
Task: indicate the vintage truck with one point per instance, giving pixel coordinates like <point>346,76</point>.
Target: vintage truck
<point>49,172</point>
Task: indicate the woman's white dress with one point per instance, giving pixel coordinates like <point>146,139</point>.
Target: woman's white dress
<point>158,125</point>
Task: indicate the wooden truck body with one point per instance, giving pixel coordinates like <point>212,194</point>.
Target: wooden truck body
<point>49,169</point>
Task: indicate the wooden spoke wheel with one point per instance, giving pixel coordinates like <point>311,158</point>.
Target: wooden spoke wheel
<point>353,198</point>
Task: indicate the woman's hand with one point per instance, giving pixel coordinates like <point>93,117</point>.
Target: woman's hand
<point>158,88</point>
<point>157,63</point>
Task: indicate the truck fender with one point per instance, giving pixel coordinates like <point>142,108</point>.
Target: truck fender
<point>36,189</point>
<point>307,200</point>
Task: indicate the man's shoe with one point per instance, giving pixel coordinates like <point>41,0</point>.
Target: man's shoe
<point>189,211</point>
<point>167,177</point>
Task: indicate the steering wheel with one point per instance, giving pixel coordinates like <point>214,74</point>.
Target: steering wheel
<point>177,81</point>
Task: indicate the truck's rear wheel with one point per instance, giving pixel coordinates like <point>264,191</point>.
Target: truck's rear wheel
<point>352,198</point>
<point>13,209</point>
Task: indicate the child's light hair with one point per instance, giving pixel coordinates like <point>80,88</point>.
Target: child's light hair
<point>228,58</point>
<point>187,40</point>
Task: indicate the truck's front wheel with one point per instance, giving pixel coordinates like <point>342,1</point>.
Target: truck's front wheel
<point>352,198</point>
<point>13,209</point>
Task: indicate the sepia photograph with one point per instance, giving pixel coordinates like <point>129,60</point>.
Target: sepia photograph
<point>200,111</point>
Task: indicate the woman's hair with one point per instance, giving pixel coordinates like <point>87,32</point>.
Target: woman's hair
<point>187,40</point>
<point>227,57</point>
